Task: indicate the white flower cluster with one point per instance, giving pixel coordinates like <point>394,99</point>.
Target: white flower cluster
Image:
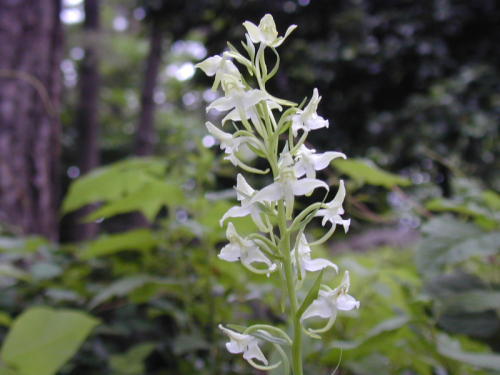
<point>294,168</point>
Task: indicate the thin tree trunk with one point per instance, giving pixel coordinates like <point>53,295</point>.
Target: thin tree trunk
<point>87,123</point>
<point>30,56</point>
<point>145,134</point>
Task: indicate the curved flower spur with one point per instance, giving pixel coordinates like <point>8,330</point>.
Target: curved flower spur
<point>280,249</point>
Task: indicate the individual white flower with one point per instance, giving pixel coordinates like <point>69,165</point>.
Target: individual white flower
<point>244,193</point>
<point>220,67</point>
<point>246,344</point>
<point>305,261</point>
<point>245,250</point>
<point>308,162</point>
<point>332,211</point>
<point>240,101</point>
<point>288,186</point>
<point>266,32</point>
<point>328,302</point>
<point>228,142</point>
<point>307,119</point>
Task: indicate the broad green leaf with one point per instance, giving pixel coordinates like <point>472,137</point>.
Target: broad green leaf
<point>138,239</point>
<point>27,244</point>
<point>388,325</point>
<point>149,199</point>
<point>186,343</point>
<point>42,339</point>
<point>132,362</point>
<point>311,296</point>
<point>472,301</point>
<point>112,182</point>
<point>366,172</point>
<point>5,319</point>
<point>8,270</point>
<point>449,241</point>
<point>492,199</point>
<point>8,371</point>
<point>451,348</point>
<point>125,286</point>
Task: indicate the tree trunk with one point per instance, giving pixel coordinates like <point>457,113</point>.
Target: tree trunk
<point>144,137</point>
<point>87,122</point>
<point>145,134</point>
<point>30,56</point>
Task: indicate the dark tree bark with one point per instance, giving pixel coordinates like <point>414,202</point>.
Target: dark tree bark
<point>30,55</point>
<point>87,122</point>
<point>144,137</point>
<point>145,134</point>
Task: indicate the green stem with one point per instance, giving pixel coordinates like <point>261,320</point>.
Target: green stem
<point>290,286</point>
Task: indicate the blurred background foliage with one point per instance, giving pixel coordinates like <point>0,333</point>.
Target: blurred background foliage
<point>411,90</point>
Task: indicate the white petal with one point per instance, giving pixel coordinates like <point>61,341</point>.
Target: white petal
<point>253,351</point>
<point>243,186</point>
<point>230,253</point>
<point>318,264</point>
<point>253,32</point>
<point>270,193</point>
<point>222,104</point>
<point>346,302</point>
<point>306,185</point>
<point>320,307</point>
<point>236,212</point>
<point>321,161</point>
<point>210,65</point>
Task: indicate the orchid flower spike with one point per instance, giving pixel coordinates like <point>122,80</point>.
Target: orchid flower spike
<point>266,32</point>
<point>246,344</point>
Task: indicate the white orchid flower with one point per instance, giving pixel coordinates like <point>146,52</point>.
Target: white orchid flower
<point>307,119</point>
<point>228,142</point>
<point>328,302</point>
<point>240,101</point>
<point>332,211</point>
<point>288,186</point>
<point>243,193</point>
<point>220,67</point>
<point>305,261</point>
<point>266,32</point>
<point>246,344</point>
<point>308,162</point>
<point>245,250</point>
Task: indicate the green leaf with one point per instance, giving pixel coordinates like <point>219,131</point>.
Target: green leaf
<point>8,371</point>
<point>42,339</point>
<point>366,172</point>
<point>137,239</point>
<point>451,348</point>
<point>449,241</point>
<point>8,270</point>
<point>390,324</point>
<point>149,199</point>
<point>131,363</point>
<point>28,244</point>
<point>5,319</point>
<point>186,343</point>
<point>112,182</point>
<point>125,286</point>
<point>311,296</point>
<point>492,199</point>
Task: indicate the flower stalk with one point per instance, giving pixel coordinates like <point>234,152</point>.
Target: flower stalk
<point>286,255</point>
